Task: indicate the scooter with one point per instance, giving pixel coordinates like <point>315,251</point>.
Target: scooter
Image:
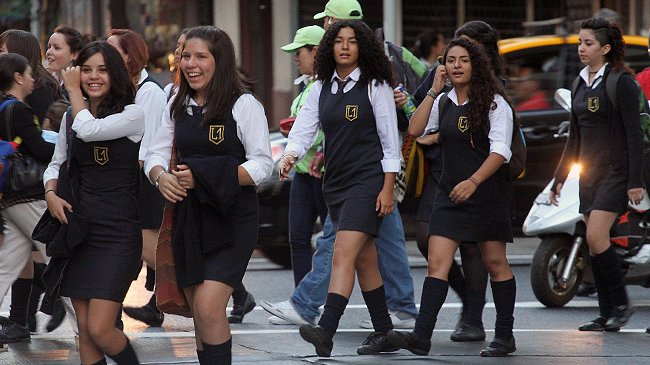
<point>561,262</point>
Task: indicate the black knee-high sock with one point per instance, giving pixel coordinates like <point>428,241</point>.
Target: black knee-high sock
<point>334,307</point>
<point>37,281</point>
<point>476,278</point>
<point>150,282</point>
<point>20,291</point>
<point>376,303</point>
<point>100,362</point>
<point>216,354</point>
<point>456,281</point>
<point>604,305</point>
<point>239,294</point>
<point>610,265</point>
<point>504,293</point>
<point>34,299</point>
<point>127,356</point>
<point>434,293</point>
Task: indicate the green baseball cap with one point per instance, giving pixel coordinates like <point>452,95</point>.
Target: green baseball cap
<point>310,35</point>
<point>341,9</point>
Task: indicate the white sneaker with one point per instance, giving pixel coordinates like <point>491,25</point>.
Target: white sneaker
<point>400,320</point>
<point>279,321</point>
<point>285,311</point>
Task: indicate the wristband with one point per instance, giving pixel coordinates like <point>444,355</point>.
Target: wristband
<point>473,179</point>
<point>48,190</point>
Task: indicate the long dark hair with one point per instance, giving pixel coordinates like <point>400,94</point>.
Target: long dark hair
<point>26,45</point>
<point>608,33</point>
<point>484,34</point>
<point>10,63</point>
<point>73,38</point>
<point>122,91</point>
<point>372,61</point>
<point>227,82</point>
<point>483,84</point>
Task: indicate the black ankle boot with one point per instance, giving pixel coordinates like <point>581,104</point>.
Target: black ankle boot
<point>127,356</point>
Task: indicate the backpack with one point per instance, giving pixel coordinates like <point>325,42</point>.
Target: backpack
<point>7,148</point>
<point>517,163</point>
<point>408,70</point>
<point>414,169</point>
<point>610,89</point>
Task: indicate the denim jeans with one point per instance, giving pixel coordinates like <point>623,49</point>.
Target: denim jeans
<point>311,293</point>
<point>306,203</point>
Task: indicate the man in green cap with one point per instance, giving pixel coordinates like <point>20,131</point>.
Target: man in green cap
<point>340,9</point>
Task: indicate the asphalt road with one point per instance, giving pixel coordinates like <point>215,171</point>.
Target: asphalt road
<point>544,335</point>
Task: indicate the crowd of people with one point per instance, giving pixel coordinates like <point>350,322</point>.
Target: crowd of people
<point>118,147</point>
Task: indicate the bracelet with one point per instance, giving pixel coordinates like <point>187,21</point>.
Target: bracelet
<point>473,179</point>
<point>158,177</point>
<point>48,190</point>
<point>432,93</point>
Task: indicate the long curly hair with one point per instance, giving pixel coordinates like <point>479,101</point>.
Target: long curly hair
<point>122,90</point>
<point>483,84</point>
<point>372,61</point>
<point>608,33</point>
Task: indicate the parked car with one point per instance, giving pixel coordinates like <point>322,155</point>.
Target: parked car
<point>535,66</point>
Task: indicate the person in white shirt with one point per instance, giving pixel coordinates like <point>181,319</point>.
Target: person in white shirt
<point>352,101</point>
<point>98,204</point>
<point>472,201</point>
<point>150,96</point>
<point>220,134</point>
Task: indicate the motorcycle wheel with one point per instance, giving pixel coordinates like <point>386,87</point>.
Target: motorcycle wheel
<point>546,270</point>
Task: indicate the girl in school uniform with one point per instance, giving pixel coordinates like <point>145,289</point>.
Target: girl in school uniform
<point>609,146</point>
<point>472,197</point>
<point>221,137</point>
<point>150,96</point>
<point>352,101</point>
<point>103,164</point>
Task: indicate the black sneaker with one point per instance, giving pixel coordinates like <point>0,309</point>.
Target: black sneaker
<point>376,343</point>
<point>148,314</point>
<point>409,341</point>
<point>316,336</point>
<point>467,332</point>
<point>13,332</point>
<point>239,310</point>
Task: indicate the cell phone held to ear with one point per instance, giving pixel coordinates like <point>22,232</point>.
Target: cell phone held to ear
<point>287,123</point>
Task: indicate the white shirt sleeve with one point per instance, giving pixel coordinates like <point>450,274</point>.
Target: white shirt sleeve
<point>253,132</point>
<point>160,149</point>
<point>127,123</point>
<point>433,124</point>
<point>501,126</point>
<point>152,100</point>
<point>60,154</point>
<point>305,129</point>
<point>383,106</point>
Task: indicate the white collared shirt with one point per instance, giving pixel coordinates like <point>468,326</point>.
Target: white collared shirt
<point>252,130</point>
<point>584,73</point>
<point>128,123</point>
<point>501,123</point>
<point>305,128</point>
<point>152,100</point>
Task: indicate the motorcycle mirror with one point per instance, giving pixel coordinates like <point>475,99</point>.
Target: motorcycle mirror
<point>563,129</point>
<point>563,97</point>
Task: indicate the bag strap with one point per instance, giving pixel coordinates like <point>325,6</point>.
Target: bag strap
<point>442,104</point>
<point>9,104</point>
<point>69,133</point>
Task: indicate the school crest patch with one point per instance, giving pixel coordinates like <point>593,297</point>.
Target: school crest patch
<point>463,124</point>
<point>216,134</point>
<point>593,103</point>
<point>100,155</point>
<point>351,112</point>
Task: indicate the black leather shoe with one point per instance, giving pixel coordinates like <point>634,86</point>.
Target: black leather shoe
<point>596,325</point>
<point>376,343</point>
<point>148,314</point>
<point>57,316</point>
<point>13,332</point>
<point>409,341</point>
<point>499,348</point>
<point>619,318</point>
<point>316,336</point>
<point>239,310</point>
<point>467,332</point>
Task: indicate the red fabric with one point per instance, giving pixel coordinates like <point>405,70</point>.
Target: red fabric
<point>537,101</point>
<point>643,78</point>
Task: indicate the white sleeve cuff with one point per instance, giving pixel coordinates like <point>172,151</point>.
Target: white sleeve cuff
<point>390,165</point>
<point>152,162</point>
<point>502,149</point>
<point>255,170</point>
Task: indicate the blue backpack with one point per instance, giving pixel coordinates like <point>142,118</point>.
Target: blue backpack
<point>7,148</point>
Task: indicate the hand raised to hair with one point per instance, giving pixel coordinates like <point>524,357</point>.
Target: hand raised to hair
<point>71,76</point>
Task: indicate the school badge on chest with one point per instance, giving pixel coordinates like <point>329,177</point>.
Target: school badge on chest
<point>593,103</point>
<point>100,154</point>
<point>351,112</point>
<point>463,124</point>
<point>216,134</point>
